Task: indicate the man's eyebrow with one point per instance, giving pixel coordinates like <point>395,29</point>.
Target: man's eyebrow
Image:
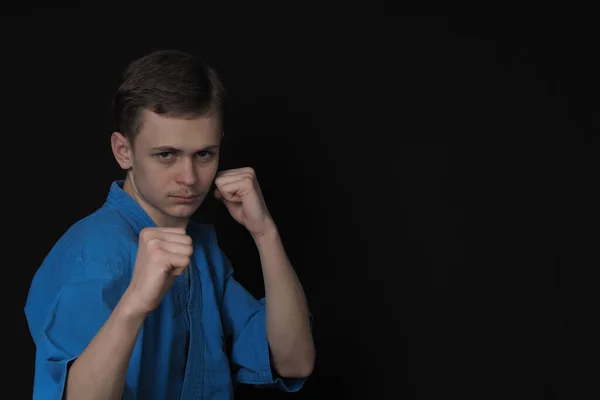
<point>176,150</point>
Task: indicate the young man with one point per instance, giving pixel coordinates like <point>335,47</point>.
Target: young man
<point>136,300</point>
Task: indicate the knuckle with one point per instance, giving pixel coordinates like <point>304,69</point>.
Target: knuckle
<point>147,234</point>
<point>144,234</point>
<point>153,244</point>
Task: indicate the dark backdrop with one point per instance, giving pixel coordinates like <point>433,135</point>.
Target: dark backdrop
<point>434,179</point>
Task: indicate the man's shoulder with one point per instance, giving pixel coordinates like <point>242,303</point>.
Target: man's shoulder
<point>99,243</point>
<point>96,248</point>
<point>103,237</point>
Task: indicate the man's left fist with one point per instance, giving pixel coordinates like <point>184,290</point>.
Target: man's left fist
<point>239,190</point>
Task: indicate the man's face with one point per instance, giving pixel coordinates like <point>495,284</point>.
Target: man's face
<point>173,164</point>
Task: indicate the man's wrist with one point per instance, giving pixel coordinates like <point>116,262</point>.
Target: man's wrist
<point>128,311</point>
<point>269,233</point>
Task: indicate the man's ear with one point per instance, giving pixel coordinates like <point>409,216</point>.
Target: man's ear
<point>122,150</point>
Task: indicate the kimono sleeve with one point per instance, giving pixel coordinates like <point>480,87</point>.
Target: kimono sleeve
<point>244,318</point>
<point>63,326</point>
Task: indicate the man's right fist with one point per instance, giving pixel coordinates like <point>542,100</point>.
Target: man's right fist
<point>163,254</point>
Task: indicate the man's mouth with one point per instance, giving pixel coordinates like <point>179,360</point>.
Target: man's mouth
<point>185,196</point>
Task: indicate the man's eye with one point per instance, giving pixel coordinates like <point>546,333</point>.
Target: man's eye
<point>203,154</point>
<point>165,155</point>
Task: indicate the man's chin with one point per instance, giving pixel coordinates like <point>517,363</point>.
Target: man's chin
<point>184,210</point>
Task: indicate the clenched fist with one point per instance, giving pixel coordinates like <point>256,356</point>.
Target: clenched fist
<point>239,190</point>
<point>163,254</point>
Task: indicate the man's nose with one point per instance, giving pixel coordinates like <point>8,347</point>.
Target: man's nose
<point>187,173</point>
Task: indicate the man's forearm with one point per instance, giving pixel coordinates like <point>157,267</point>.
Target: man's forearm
<point>100,371</point>
<point>288,324</point>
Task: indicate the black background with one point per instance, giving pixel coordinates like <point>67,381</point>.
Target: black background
<point>434,178</point>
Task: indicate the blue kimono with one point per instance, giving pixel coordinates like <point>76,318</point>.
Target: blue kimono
<point>181,350</point>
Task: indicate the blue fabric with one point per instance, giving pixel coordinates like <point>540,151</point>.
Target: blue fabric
<point>181,350</point>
